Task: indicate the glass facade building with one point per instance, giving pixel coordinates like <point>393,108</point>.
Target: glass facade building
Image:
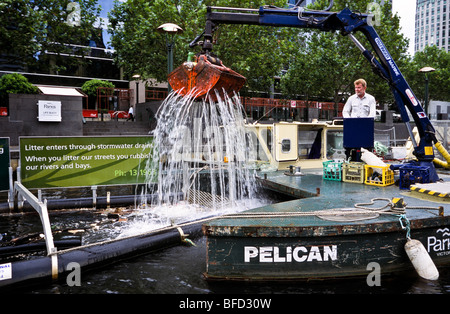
<point>432,24</point>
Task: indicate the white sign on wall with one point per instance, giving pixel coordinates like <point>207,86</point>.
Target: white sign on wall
<point>49,111</point>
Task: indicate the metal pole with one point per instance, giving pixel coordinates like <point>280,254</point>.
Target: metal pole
<point>169,61</point>
<point>137,92</point>
<point>170,30</point>
<point>426,95</point>
<point>11,189</point>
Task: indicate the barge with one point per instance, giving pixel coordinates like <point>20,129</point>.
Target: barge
<point>339,231</point>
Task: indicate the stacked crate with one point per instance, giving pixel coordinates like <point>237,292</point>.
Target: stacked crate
<point>410,174</point>
<point>382,177</point>
<point>332,170</point>
<point>353,172</point>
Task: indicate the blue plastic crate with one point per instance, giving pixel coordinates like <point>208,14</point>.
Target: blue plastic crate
<point>410,175</point>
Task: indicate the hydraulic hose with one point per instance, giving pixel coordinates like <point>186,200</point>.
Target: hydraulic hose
<point>445,154</point>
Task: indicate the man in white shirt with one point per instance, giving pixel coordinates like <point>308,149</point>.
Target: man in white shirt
<point>361,104</point>
<point>131,114</point>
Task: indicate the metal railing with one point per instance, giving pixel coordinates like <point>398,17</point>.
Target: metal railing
<point>41,207</point>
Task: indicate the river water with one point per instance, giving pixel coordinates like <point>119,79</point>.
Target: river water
<point>179,270</point>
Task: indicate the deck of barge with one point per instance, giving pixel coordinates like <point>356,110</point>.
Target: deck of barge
<point>320,194</point>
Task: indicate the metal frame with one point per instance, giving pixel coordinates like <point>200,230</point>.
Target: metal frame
<point>41,207</point>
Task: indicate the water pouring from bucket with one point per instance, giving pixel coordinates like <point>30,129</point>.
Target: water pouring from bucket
<point>203,148</point>
<point>201,165</point>
<point>202,157</point>
<point>202,152</point>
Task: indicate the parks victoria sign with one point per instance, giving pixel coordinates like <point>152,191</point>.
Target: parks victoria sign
<point>48,162</point>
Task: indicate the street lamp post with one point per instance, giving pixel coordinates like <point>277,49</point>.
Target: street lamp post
<point>170,30</point>
<point>137,77</point>
<point>426,70</point>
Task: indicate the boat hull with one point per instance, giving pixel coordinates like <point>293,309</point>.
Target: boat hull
<point>289,257</point>
<point>322,234</point>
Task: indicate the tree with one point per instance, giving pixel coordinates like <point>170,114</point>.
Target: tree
<point>397,45</point>
<point>326,64</point>
<point>33,32</point>
<point>316,63</point>
<point>333,62</point>
<point>90,87</point>
<point>256,52</point>
<point>62,31</point>
<point>15,83</point>
<point>21,30</point>
<point>439,80</point>
<point>253,51</point>
<point>139,48</point>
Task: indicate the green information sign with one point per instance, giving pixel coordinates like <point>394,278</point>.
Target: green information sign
<point>83,161</point>
<point>4,163</point>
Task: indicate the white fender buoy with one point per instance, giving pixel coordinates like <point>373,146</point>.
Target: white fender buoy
<point>420,259</point>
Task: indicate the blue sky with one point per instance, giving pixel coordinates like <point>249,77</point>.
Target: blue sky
<point>406,10</point>
<point>106,5</point>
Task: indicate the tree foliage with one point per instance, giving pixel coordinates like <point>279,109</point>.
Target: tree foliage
<point>60,32</point>
<point>256,52</point>
<point>36,33</point>
<point>253,51</point>
<point>314,63</point>
<point>15,83</point>
<point>21,30</point>
<point>439,80</point>
<point>310,63</point>
<point>90,87</point>
<point>140,49</point>
<point>327,64</point>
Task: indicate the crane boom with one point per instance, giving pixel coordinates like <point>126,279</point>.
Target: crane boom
<point>347,23</point>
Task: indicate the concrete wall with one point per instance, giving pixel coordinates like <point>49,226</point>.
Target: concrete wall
<point>146,112</point>
<point>439,110</point>
<point>23,121</point>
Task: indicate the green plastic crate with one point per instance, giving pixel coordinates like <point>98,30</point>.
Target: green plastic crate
<point>332,170</point>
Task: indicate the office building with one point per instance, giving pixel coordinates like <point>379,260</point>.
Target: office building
<point>432,24</point>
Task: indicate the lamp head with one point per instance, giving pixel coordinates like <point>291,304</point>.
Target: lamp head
<point>170,28</point>
<point>427,69</point>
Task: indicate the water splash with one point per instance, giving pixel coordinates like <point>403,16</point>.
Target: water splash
<point>201,152</point>
<point>201,165</point>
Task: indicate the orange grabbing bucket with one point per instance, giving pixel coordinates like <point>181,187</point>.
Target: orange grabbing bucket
<point>205,76</point>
